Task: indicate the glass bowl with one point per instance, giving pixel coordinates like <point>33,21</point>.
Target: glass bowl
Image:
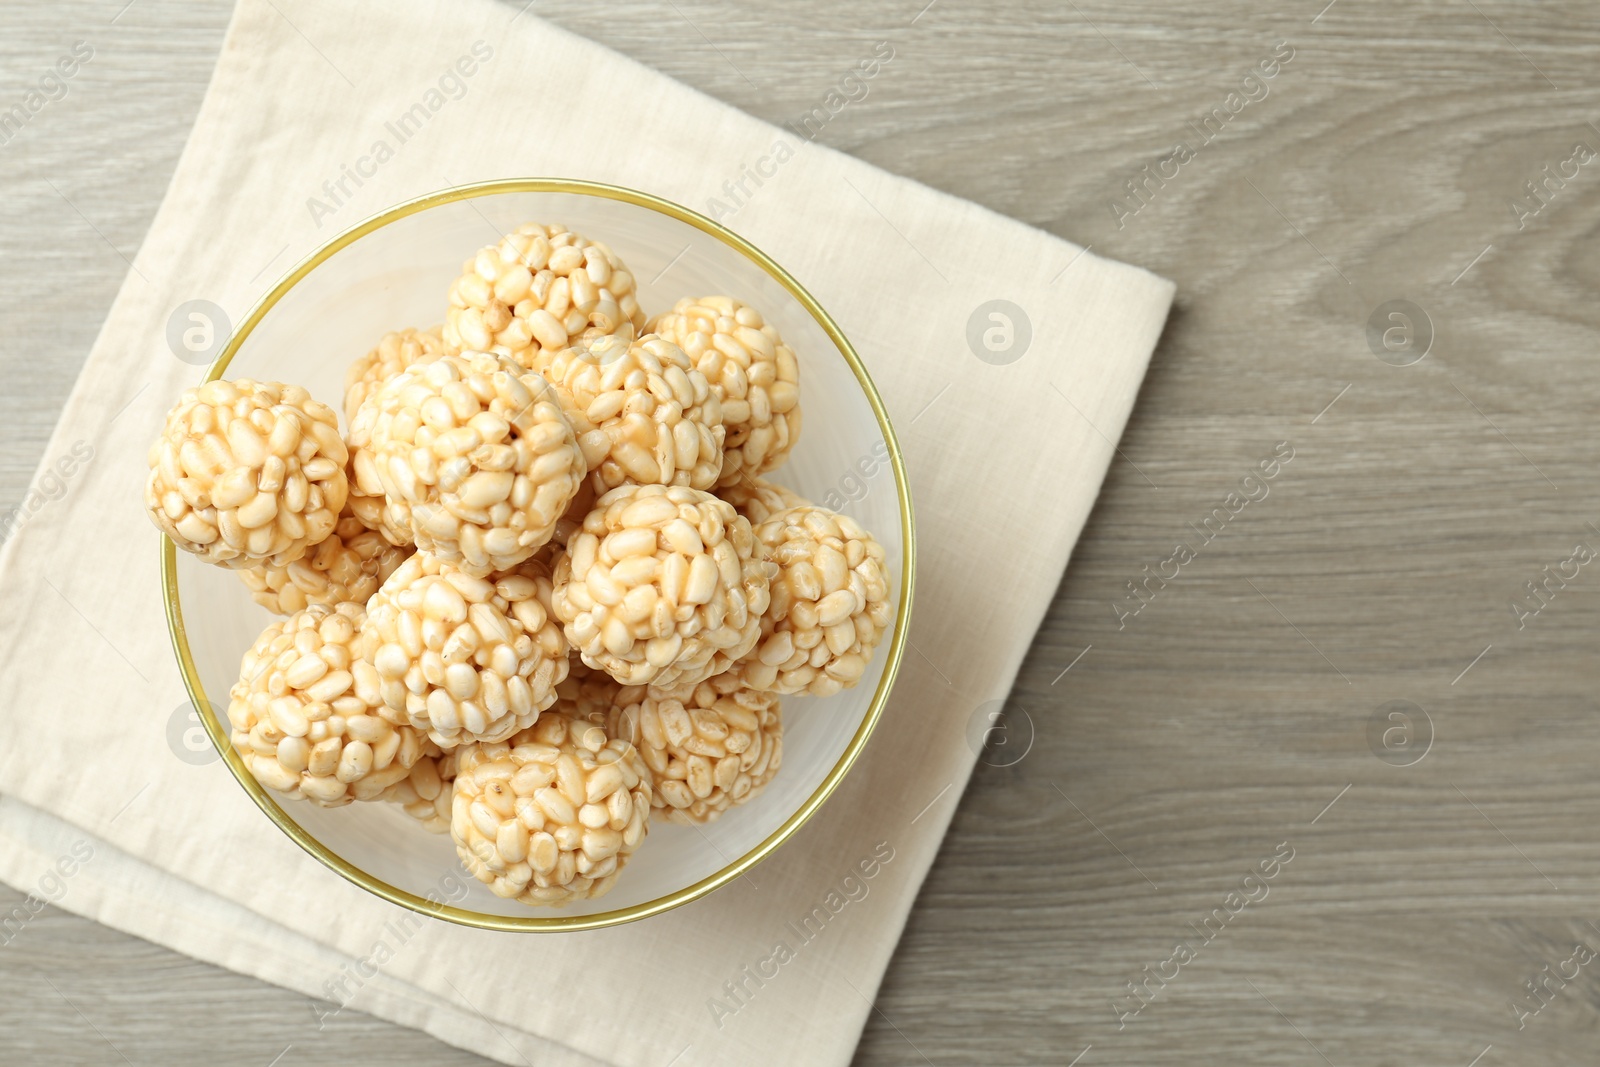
<point>394,270</point>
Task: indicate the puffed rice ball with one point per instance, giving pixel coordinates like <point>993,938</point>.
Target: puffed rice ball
<point>348,566</point>
<point>465,658</point>
<point>551,815</point>
<point>663,585</point>
<point>539,290</point>
<point>708,746</point>
<point>424,794</point>
<point>571,522</point>
<point>247,472</point>
<point>591,695</point>
<point>641,412</point>
<point>394,353</point>
<point>758,499</point>
<point>752,369</point>
<point>372,509</point>
<point>304,712</point>
<point>473,455</point>
<point>830,604</point>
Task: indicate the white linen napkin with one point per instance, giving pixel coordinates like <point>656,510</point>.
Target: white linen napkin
<point>1009,360</point>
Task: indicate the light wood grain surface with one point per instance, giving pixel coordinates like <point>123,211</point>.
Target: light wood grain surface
<point>1228,721</point>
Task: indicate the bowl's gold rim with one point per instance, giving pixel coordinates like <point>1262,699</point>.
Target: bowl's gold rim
<point>217,731</point>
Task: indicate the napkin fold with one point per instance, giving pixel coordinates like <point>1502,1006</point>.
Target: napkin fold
<point>1009,361</point>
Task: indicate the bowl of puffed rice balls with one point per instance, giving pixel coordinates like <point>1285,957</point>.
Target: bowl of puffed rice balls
<point>500,571</point>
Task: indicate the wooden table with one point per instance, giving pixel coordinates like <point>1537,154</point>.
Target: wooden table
<point>1247,713</point>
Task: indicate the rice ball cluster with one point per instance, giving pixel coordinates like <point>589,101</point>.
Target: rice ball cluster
<point>541,590</point>
<point>539,290</point>
<point>642,414</point>
<point>305,715</point>
<point>551,815</point>
<point>247,472</point>
<point>663,585</point>
<point>463,658</point>
<point>751,368</point>
<point>473,457</point>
